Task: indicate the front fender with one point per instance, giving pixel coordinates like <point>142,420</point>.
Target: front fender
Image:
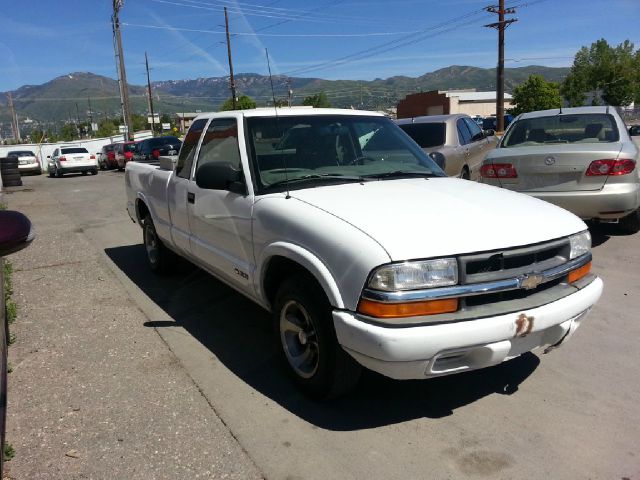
<point>304,258</point>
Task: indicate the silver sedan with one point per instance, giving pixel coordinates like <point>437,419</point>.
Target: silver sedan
<point>581,159</point>
<point>455,142</point>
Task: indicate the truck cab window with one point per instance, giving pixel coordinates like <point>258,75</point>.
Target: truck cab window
<point>220,143</point>
<point>188,150</point>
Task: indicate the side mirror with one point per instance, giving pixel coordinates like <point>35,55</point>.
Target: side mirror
<point>634,131</point>
<point>439,159</point>
<point>220,176</point>
<point>16,233</point>
<point>489,132</point>
<point>48,156</point>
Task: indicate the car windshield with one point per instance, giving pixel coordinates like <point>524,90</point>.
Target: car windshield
<point>129,147</point>
<point>332,148</point>
<point>427,135</point>
<point>108,148</point>
<point>74,150</point>
<point>158,142</point>
<point>21,154</point>
<point>564,128</point>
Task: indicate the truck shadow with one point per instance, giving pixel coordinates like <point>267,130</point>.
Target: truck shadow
<point>239,334</point>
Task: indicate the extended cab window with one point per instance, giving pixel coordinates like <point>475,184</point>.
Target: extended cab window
<point>220,143</point>
<point>188,150</point>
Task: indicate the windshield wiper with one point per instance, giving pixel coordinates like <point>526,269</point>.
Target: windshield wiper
<point>318,176</point>
<point>400,174</point>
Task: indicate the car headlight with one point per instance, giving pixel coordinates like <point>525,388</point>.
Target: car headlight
<point>441,272</point>
<point>580,244</point>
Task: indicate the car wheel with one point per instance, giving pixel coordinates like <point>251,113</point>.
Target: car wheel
<point>465,173</point>
<point>94,171</point>
<point>631,223</point>
<point>58,173</point>
<point>51,172</point>
<point>84,172</point>
<point>161,259</point>
<point>308,343</point>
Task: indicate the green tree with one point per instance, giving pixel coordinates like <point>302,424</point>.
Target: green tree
<point>138,122</point>
<point>535,94</point>
<point>318,100</point>
<point>609,73</point>
<point>68,132</point>
<point>106,128</point>
<point>243,103</point>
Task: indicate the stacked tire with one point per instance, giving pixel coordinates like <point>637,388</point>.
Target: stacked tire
<point>9,172</point>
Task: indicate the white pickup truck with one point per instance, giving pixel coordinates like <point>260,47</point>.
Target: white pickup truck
<point>365,253</point>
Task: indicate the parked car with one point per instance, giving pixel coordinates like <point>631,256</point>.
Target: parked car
<point>16,233</point>
<point>151,149</point>
<point>581,159</point>
<point>491,123</point>
<point>455,142</point>
<point>27,161</point>
<point>107,158</point>
<point>634,133</point>
<point>362,249</point>
<point>71,159</point>
<point>123,152</point>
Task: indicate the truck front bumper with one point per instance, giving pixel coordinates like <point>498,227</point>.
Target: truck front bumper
<point>447,348</point>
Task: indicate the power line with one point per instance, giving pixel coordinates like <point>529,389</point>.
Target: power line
<point>253,34</point>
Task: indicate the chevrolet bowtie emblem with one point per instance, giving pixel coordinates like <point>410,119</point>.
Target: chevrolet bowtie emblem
<point>529,282</point>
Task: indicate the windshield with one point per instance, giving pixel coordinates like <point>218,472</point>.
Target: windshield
<point>129,147</point>
<point>331,148</point>
<point>427,135</point>
<point>73,150</point>
<point>565,128</point>
<point>158,142</point>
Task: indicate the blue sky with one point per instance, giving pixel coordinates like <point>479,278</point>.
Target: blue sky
<point>43,39</point>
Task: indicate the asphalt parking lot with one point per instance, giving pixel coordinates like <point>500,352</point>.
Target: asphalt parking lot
<point>118,373</point>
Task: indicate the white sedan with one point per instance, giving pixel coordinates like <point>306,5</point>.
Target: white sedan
<point>72,159</point>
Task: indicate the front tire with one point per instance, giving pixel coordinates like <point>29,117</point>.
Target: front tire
<point>161,259</point>
<point>307,340</point>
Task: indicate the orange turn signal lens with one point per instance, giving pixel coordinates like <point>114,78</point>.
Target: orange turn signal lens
<point>401,310</point>
<point>579,273</point>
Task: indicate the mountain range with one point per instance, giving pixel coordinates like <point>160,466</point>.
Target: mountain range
<point>69,96</point>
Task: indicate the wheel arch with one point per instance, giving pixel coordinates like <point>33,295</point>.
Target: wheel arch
<point>282,259</point>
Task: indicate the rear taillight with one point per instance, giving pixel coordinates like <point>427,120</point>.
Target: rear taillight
<point>92,157</point>
<point>155,153</point>
<point>621,166</point>
<point>128,155</point>
<point>498,170</point>
<point>62,159</point>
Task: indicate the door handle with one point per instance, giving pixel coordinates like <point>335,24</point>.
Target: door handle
<point>191,197</point>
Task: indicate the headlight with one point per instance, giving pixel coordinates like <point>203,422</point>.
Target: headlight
<point>580,244</point>
<point>415,275</point>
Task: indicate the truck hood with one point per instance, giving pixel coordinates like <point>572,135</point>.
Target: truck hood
<point>418,218</point>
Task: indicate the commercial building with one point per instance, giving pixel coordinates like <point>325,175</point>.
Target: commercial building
<point>439,102</point>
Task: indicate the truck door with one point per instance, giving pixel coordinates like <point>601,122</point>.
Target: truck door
<point>177,190</point>
<point>221,219</point>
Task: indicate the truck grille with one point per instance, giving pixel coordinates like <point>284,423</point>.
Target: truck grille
<point>510,263</point>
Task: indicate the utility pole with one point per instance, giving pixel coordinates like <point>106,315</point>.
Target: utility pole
<point>78,121</point>
<point>289,92</point>
<point>501,26</point>
<point>14,119</point>
<point>232,83</point>
<point>153,120</point>
<point>122,75</point>
<point>90,114</point>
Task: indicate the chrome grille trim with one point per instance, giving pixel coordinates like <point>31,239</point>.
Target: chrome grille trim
<point>515,283</point>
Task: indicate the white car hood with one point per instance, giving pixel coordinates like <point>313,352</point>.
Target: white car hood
<point>419,218</point>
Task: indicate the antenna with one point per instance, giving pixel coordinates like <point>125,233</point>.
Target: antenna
<point>275,107</point>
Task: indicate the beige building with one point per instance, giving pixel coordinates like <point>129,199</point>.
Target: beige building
<point>439,102</point>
